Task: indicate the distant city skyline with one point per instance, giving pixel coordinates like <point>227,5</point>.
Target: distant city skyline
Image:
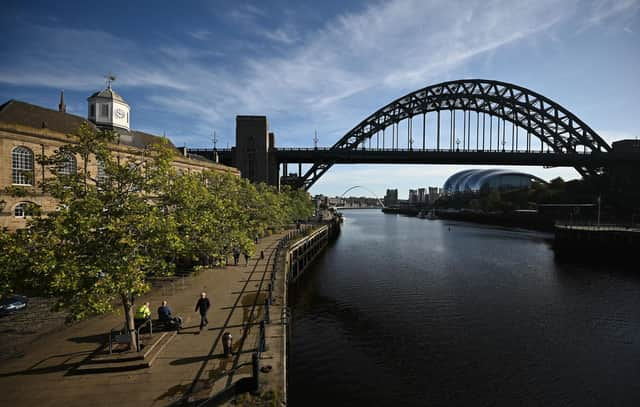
<point>187,71</point>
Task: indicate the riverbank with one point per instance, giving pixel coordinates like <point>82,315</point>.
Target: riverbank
<point>523,220</point>
<point>294,254</point>
<point>601,243</point>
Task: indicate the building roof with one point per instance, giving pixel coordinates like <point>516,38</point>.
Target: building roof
<point>37,117</point>
<point>473,180</point>
<point>108,93</point>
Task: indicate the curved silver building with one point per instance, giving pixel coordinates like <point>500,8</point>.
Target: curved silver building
<point>475,180</point>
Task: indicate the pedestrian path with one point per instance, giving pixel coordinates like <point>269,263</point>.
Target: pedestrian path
<point>190,368</point>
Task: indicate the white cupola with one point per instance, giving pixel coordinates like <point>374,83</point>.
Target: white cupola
<point>108,109</point>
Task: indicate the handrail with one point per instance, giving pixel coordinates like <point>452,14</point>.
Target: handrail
<point>405,149</point>
<point>138,329</point>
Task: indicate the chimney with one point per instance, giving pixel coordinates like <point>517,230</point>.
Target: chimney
<point>61,106</point>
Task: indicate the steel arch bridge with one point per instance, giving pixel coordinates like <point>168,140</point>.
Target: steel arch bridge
<point>543,119</point>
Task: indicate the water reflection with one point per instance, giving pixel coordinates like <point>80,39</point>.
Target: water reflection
<point>404,311</point>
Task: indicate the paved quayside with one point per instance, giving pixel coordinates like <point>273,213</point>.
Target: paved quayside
<point>190,368</point>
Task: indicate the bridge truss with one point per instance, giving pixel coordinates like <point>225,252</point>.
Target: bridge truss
<point>543,121</point>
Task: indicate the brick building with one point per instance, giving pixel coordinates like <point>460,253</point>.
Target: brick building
<point>27,131</point>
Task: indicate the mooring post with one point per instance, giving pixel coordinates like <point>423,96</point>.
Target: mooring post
<point>263,337</point>
<point>255,365</point>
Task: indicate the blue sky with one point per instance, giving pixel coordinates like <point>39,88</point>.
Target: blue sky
<point>188,69</point>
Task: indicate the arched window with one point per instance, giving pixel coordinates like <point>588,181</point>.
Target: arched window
<point>24,209</point>
<point>68,166</point>
<point>22,166</point>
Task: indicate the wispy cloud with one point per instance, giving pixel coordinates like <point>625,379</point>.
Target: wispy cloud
<point>281,36</point>
<point>602,10</point>
<point>326,79</point>
<point>200,34</point>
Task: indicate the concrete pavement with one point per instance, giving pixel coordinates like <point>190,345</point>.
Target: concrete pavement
<point>190,368</point>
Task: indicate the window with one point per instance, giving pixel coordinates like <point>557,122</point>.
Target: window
<point>102,175</point>
<point>92,110</point>
<point>24,209</point>
<point>22,166</point>
<point>68,166</point>
<point>104,110</point>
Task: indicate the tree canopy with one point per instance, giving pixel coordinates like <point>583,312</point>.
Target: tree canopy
<point>138,218</point>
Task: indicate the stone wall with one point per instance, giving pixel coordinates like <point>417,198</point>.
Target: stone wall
<point>45,141</point>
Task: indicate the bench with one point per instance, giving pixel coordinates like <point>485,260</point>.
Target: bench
<point>123,336</point>
<point>118,337</point>
<point>165,325</point>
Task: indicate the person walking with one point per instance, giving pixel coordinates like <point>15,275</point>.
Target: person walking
<point>246,258</point>
<point>236,256</point>
<point>203,306</point>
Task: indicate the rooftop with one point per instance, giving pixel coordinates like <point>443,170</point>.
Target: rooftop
<point>25,114</point>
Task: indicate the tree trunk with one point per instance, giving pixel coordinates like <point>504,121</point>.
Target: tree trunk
<point>127,303</point>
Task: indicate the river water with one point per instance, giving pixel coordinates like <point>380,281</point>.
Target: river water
<point>403,311</point>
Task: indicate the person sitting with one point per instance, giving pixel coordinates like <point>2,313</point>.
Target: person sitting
<point>142,315</point>
<point>165,316</point>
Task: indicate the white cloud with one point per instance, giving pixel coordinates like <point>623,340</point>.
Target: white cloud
<point>601,10</point>
<point>280,36</point>
<point>200,34</point>
<point>328,79</point>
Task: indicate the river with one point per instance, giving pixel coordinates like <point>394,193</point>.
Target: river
<point>402,311</point>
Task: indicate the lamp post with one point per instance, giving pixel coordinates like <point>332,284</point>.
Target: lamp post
<point>457,144</point>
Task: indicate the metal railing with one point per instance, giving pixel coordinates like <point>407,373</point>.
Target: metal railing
<point>261,345</point>
<point>139,330</point>
<point>592,225</point>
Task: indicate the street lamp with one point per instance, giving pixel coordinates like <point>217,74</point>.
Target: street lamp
<point>457,144</point>
<point>3,203</point>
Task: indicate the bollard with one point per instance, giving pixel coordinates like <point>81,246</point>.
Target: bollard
<point>266,310</point>
<point>263,337</point>
<point>227,343</point>
<point>255,365</point>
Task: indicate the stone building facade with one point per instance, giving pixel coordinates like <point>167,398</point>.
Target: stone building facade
<point>27,131</point>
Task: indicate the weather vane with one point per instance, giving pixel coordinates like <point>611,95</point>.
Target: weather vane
<point>110,78</point>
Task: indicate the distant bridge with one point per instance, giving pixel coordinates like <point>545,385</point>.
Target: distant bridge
<point>470,121</point>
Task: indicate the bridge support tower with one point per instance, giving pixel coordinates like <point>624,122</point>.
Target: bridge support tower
<point>254,155</point>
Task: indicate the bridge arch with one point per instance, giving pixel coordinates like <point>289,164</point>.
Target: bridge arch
<point>366,189</point>
<point>553,125</point>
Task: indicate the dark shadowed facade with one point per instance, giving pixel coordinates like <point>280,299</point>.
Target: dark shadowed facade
<point>254,155</point>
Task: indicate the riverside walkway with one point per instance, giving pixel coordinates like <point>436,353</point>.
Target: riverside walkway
<point>189,369</point>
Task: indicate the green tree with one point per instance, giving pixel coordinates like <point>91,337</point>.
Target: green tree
<point>107,236</point>
<point>137,219</point>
